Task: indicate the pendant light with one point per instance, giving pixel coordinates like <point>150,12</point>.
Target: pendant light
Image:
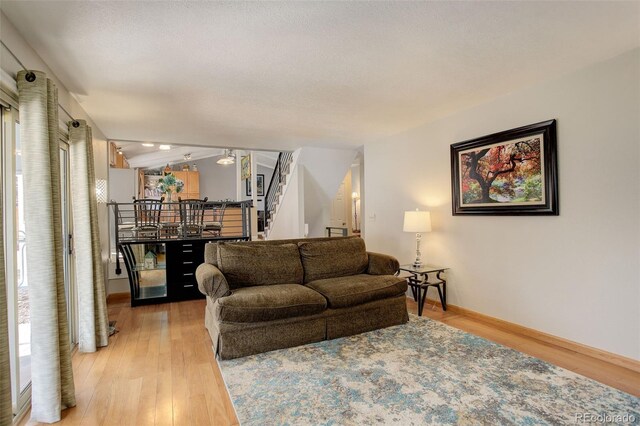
<point>229,157</point>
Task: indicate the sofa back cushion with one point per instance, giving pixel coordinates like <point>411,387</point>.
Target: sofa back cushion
<point>333,258</point>
<point>211,253</point>
<point>245,265</point>
<point>211,249</point>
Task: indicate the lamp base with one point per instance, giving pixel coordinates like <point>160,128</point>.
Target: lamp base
<point>418,263</point>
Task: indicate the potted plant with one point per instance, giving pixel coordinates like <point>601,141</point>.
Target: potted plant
<point>170,185</point>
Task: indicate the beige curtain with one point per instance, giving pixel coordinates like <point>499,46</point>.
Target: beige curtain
<point>6,413</point>
<point>52,388</point>
<point>92,298</point>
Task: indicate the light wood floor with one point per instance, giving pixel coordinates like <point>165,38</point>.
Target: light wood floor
<point>160,369</point>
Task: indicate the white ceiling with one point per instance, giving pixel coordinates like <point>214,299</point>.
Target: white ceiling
<point>282,75</point>
<point>140,156</point>
<point>151,157</point>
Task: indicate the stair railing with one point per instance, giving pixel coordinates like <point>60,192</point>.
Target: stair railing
<point>275,185</point>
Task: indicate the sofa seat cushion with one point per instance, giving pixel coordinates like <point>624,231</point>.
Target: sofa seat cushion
<point>354,290</point>
<point>268,303</point>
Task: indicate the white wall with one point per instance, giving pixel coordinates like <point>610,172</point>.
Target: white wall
<point>218,182</point>
<point>575,276</point>
<point>122,185</point>
<point>324,171</point>
<point>122,188</point>
<point>289,219</point>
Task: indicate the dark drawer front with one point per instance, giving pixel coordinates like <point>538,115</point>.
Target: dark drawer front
<point>183,258</point>
<point>184,291</point>
<point>189,250</point>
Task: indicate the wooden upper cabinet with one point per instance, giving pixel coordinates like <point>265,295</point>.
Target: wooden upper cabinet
<point>121,161</point>
<point>117,161</point>
<point>191,184</point>
<point>112,154</point>
<point>183,177</point>
<point>194,182</point>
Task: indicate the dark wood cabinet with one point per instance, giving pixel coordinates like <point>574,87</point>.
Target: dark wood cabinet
<point>160,262</point>
<point>183,257</point>
<point>171,274</point>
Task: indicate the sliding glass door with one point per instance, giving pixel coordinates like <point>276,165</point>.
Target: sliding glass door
<point>16,270</point>
<point>67,238</point>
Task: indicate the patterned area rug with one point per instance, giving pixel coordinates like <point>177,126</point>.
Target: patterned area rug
<point>420,373</point>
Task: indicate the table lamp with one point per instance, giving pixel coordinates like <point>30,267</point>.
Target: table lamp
<point>417,221</point>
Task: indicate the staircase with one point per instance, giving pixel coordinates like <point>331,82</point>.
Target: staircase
<point>276,189</point>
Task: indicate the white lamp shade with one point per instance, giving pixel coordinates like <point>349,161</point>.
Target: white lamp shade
<point>417,221</point>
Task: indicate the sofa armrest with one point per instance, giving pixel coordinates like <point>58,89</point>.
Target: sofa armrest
<point>382,264</point>
<point>211,282</point>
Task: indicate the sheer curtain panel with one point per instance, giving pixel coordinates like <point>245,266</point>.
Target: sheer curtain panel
<point>92,298</point>
<point>52,388</point>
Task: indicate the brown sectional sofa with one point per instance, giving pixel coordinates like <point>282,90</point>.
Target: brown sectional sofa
<point>267,295</point>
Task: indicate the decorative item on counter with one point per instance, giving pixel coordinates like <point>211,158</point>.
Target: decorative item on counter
<point>150,260</point>
<point>194,167</point>
<point>185,167</point>
<point>151,189</point>
<point>171,186</point>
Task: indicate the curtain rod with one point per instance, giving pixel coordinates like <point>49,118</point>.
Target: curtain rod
<point>30,77</point>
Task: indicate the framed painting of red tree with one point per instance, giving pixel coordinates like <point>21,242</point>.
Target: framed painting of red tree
<point>513,172</point>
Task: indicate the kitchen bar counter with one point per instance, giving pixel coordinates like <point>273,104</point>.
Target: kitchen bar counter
<point>160,260</point>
